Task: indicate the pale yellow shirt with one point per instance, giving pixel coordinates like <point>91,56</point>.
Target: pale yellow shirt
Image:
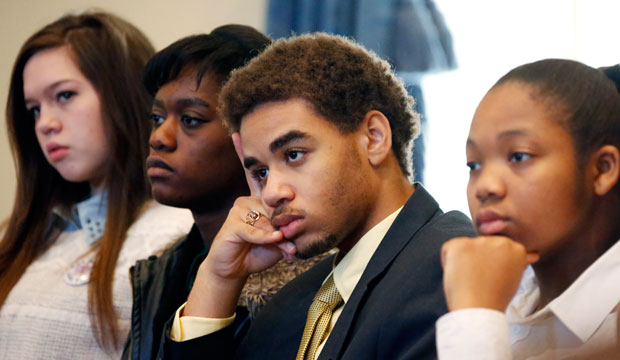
<point>347,274</point>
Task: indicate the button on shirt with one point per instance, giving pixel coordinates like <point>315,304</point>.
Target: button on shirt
<point>347,274</point>
<point>580,323</point>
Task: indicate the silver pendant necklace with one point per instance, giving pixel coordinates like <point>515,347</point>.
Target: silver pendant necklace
<point>79,273</point>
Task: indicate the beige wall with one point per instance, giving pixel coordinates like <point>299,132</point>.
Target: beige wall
<point>162,22</point>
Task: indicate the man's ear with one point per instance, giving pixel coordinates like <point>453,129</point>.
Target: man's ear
<point>606,166</point>
<point>377,135</point>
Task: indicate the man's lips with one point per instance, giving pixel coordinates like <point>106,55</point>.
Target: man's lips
<point>56,152</point>
<point>489,222</point>
<point>288,224</point>
<point>157,167</point>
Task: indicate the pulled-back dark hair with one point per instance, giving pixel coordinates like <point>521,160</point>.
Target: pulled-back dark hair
<point>587,101</point>
<point>613,73</point>
<point>224,49</point>
<point>340,79</point>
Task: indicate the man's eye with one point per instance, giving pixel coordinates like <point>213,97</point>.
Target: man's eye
<point>519,157</point>
<point>473,166</point>
<point>294,155</point>
<point>260,174</point>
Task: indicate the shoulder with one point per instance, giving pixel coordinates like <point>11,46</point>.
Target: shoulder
<point>422,215</point>
<point>156,228</point>
<point>155,219</point>
<point>453,223</point>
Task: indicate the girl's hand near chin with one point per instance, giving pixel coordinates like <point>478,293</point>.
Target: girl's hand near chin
<point>483,272</point>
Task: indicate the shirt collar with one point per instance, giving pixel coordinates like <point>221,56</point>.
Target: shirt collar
<point>592,297</point>
<point>349,270</point>
<point>584,305</point>
<point>88,215</point>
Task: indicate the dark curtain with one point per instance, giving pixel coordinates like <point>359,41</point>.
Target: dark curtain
<point>410,34</point>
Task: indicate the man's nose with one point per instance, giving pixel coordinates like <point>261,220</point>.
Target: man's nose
<point>277,190</point>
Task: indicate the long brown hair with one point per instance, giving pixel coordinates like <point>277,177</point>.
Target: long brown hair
<point>111,54</point>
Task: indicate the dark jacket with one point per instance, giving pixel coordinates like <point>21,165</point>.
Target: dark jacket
<point>160,285</point>
<point>391,313</point>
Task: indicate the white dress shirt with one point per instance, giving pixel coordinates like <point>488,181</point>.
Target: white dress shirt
<point>581,323</point>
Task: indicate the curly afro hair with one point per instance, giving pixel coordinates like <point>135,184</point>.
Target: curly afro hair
<point>339,78</point>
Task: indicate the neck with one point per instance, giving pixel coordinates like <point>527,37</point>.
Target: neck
<point>557,270</point>
<point>389,194</point>
<point>209,223</point>
<point>210,213</point>
<point>97,187</point>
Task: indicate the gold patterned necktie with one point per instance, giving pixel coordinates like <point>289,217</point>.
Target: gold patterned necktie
<point>319,315</point>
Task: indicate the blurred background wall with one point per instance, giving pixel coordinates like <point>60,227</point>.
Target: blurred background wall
<point>490,38</point>
<point>163,21</point>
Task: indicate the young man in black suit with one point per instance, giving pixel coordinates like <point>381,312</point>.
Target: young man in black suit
<point>324,130</point>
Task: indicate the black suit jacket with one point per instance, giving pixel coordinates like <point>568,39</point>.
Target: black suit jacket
<point>391,313</point>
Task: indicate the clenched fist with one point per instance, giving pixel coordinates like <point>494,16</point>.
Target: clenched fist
<point>483,272</point>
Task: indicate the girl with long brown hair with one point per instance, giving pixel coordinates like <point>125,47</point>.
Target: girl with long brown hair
<point>78,127</point>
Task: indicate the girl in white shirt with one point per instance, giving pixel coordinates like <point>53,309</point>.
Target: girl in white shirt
<point>77,122</point>
<point>544,159</point>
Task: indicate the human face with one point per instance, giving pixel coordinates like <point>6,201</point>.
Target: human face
<point>192,161</point>
<point>524,179</point>
<point>67,116</point>
<point>312,179</point>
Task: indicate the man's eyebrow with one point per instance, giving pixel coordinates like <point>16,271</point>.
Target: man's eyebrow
<point>249,162</point>
<point>286,139</point>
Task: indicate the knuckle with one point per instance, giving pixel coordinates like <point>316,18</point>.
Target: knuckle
<point>520,249</point>
<point>459,242</point>
<point>241,201</point>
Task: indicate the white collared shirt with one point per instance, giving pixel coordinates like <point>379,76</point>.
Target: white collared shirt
<point>88,215</point>
<point>580,323</point>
